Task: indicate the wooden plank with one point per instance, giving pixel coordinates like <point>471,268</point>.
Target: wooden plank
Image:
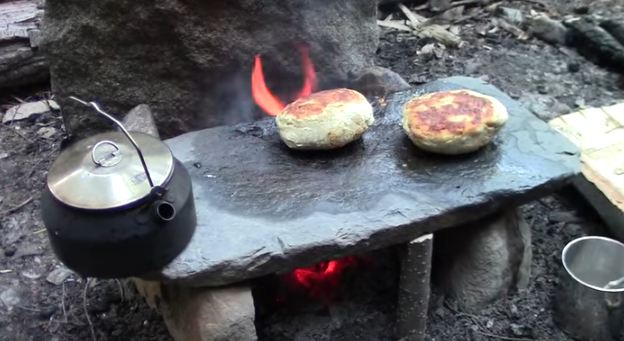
<point>605,168</point>
<point>599,134</point>
<point>17,18</point>
<point>616,112</point>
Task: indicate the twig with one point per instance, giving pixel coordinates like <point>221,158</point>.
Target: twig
<point>18,99</point>
<point>84,307</point>
<point>63,303</point>
<point>121,290</point>
<point>13,209</point>
<point>33,169</point>
<point>537,2</point>
<point>453,4</point>
<point>28,308</point>
<point>394,24</point>
<point>464,2</point>
<point>467,17</point>
<point>6,271</point>
<point>16,132</point>
<point>415,19</point>
<point>503,337</point>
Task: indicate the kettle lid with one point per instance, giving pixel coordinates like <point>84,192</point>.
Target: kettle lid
<point>104,171</point>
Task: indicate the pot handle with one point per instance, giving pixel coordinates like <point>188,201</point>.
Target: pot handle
<point>123,129</point>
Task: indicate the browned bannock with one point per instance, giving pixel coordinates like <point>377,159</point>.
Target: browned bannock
<point>448,113</point>
<point>317,102</point>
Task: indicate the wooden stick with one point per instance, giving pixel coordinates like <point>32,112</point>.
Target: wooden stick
<point>394,24</point>
<point>503,337</point>
<point>415,19</point>
<point>22,204</point>
<point>414,289</point>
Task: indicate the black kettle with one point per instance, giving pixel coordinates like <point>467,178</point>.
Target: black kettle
<point>118,204</point>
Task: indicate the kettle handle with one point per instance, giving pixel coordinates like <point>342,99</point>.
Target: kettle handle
<point>123,129</point>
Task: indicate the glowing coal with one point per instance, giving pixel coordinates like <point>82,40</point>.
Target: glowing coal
<point>321,281</point>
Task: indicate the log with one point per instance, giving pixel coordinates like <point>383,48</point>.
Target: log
<point>615,28</point>
<point>414,289</point>
<point>21,60</point>
<point>596,44</point>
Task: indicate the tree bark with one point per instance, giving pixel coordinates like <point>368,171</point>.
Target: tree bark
<point>21,60</point>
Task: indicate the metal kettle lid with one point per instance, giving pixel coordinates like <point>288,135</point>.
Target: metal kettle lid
<point>110,170</point>
<point>104,171</point>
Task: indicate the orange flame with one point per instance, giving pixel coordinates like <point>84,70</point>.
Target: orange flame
<point>261,93</point>
<point>266,100</point>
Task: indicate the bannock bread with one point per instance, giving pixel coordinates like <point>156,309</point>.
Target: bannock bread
<point>453,122</point>
<point>325,120</point>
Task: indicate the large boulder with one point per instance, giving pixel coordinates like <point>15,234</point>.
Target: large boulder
<point>190,61</point>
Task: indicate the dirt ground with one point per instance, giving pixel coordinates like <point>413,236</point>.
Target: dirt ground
<point>547,79</point>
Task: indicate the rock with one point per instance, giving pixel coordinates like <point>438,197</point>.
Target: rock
<point>47,132</point>
<point>28,110</point>
<point>379,81</point>
<point>482,261</point>
<point>439,5</point>
<point>427,49</point>
<point>543,106</point>
<point>581,9</point>
<point>10,298</point>
<point>59,275</point>
<point>141,119</point>
<point>574,67</point>
<point>191,61</point>
<point>559,109</point>
<point>198,314</point>
<point>3,155</point>
<point>514,310</point>
<point>549,30</point>
<point>518,329</point>
<point>419,78</point>
<point>512,15</point>
<point>471,67</point>
<point>275,225</point>
<point>30,274</point>
<point>9,250</point>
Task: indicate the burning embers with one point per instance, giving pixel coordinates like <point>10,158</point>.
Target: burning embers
<point>323,279</point>
<point>266,100</point>
<point>314,121</point>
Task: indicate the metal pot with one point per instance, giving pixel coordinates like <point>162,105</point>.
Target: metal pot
<point>589,304</point>
<point>118,204</point>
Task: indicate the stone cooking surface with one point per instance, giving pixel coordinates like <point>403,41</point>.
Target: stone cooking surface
<point>263,208</point>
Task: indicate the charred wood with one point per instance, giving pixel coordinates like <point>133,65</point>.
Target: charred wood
<point>615,28</point>
<point>596,44</point>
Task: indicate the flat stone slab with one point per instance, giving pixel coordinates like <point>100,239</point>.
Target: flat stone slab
<point>263,208</point>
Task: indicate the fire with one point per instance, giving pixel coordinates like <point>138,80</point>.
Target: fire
<point>266,100</point>
<point>321,280</point>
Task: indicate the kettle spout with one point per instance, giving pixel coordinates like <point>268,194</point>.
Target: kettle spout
<point>164,210</point>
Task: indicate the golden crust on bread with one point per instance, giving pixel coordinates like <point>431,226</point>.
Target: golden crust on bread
<point>325,120</point>
<point>453,122</point>
<point>316,103</point>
